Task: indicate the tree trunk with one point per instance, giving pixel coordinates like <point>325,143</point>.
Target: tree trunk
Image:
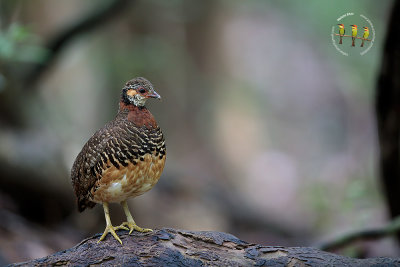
<point>171,247</point>
<point>388,114</point>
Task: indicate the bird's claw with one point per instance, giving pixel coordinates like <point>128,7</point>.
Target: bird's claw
<point>132,226</point>
<point>121,227</point>
<point>111,229</point>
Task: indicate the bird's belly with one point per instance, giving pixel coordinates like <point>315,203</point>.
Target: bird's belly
<point>120,184</point>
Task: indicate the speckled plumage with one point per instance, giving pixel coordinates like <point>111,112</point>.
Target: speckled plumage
<point>123,159</point>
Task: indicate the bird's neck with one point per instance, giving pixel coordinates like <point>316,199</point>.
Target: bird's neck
<point>139,115</point>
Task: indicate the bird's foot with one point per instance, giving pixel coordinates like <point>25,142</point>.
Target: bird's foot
<point>132,226</point>
<point>111,229</point>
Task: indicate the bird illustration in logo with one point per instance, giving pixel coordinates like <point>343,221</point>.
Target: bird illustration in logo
<point>365,35</point>
<point>353,34</point>
<point>341,32</point>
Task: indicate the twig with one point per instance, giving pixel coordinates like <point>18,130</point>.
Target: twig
<point>88,23</point>
<point>345,240</point>
<point>355,37</point>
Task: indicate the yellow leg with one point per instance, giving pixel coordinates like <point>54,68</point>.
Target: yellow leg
<point>109,227</point>
<point>130,223</point>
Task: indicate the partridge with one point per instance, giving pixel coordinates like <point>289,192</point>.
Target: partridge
<point>124,159</point>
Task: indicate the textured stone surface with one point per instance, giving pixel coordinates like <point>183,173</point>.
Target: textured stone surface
<point>171,247</point>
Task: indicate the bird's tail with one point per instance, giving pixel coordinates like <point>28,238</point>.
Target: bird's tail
<point>352,43</point>
<point>362,43</point>
<point>340,40</point>
<point>83,203</point>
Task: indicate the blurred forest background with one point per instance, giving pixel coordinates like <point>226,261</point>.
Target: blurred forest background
<point>271,132</point>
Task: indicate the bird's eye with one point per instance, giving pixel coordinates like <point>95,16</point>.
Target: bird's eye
<point>142,91</point>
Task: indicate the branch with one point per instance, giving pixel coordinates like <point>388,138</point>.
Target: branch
<point>370,234</point>
<point>171,247</point>
<point>90,22</point>
<point>354,37</point>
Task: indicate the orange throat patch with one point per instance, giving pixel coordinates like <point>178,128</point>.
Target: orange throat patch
<point>140,116</point>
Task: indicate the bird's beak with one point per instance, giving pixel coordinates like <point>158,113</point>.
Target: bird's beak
<point>154,95</point>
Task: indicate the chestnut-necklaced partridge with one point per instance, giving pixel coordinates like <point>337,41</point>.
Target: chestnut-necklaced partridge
<point>124,159</point>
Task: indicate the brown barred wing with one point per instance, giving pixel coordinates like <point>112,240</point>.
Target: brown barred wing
<point>115,144</point>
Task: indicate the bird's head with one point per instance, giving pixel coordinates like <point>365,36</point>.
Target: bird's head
<point>354,27</point>
<point>341,26</point>
<point>366,29</point>
<point>137,91</point>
